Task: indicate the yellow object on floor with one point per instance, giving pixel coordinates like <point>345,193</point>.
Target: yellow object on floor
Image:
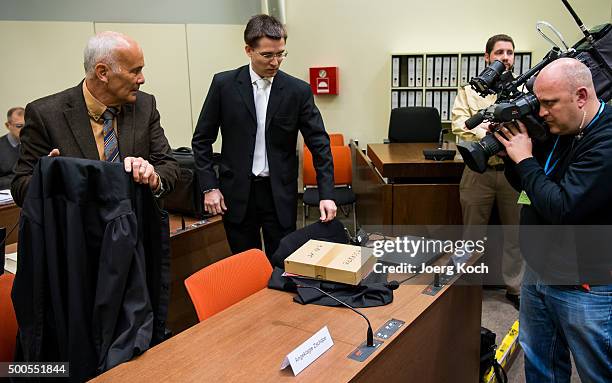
<point>506,352</point>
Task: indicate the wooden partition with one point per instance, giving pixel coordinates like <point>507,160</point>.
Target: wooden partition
<point>9,216</point>
<point>195,247</point>
<point>396,185</point>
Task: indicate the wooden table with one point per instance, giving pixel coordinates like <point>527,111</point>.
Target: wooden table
<point>248,341</point>
<point>396,185</point>
<point>9,216</point>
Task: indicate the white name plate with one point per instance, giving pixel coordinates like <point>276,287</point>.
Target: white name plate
<point>309,351</point>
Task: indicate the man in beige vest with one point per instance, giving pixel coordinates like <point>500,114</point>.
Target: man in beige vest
<point>479,192</point>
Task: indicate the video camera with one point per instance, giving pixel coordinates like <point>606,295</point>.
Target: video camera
<point>594,50</point>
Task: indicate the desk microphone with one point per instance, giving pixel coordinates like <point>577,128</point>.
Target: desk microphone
<point>370,338</point>
<point>441,138</point>
<point>440,154</point>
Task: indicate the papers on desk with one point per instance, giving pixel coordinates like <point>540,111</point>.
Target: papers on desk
<point>10,263</point>
<point>5,197</point>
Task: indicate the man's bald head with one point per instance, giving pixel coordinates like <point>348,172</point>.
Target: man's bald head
<point>104,48</point>
<point>567,96</point>
<point>567,72</point>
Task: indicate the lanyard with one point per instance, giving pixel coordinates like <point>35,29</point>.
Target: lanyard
<point>547,167</point>
<point>601,108</point>
<point>547,170</point>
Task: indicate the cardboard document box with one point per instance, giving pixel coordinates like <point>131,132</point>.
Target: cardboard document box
<point>331,262</point>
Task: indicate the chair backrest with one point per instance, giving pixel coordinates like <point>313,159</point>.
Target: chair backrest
<point>224,283</point>
<point>414,124</point>
<point>343,166</point>
<point>336,139</point>
<point>309,176</point>
<point>8,321</point>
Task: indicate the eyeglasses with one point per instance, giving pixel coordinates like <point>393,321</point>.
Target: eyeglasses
<point>270,55</point>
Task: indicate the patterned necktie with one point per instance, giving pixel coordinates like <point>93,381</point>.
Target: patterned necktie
<point>260,160</point>
<point>111,148</point>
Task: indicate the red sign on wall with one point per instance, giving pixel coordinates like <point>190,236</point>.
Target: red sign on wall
<point>324,80</point>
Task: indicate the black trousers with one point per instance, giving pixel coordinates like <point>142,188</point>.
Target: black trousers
<point>260,216</point>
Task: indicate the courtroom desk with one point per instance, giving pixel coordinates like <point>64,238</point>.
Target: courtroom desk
<point>396,185</point>
<point>192,249</point>
<point>248,341</point>
<point>9,216</point>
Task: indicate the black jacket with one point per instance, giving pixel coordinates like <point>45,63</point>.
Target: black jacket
<point>230,106</point>
<point>577,192</point>
<point>8,157</point>
<point>92,276</point>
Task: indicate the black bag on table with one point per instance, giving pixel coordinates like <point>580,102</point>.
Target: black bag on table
<point>186,198</point>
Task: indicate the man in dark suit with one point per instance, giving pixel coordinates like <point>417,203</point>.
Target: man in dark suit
<point>9,146</point>
<point>105,117</point>
<point>260,111</point>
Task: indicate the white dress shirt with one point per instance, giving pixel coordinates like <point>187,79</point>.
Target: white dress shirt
<point>260,147</point>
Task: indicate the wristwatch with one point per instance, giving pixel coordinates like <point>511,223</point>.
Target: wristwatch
<point>160,190</point>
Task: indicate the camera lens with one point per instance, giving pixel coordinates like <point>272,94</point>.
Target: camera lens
<point>484,82</point>
<point>477,154</point>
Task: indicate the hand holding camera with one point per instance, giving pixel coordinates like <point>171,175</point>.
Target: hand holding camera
<point>515,138</point>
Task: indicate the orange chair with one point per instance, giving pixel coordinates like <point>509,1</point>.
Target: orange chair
<point>343,179</point>
<point>8,321</point>
<point>224,283</point>
<point>336,139</point>
<point>308,172</point>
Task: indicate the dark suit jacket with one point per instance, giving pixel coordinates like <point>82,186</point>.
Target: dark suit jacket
<point>230,106</point>
<point>8,157</point>
<point>61,121</point>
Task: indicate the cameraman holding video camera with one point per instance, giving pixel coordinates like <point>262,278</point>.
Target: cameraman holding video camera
<point>566,180</point>
<point>479,192</point>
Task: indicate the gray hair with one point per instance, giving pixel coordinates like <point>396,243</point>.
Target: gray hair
<point>100,49</point>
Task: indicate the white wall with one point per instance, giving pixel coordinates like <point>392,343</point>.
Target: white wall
<point>180,60</point>
<point>166,73</point>
<point>41,58</point>
<point>212,49</point>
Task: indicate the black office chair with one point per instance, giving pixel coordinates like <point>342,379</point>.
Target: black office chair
<point>414,124</point>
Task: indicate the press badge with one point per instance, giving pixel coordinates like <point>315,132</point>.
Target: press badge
<point>523,199</point>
